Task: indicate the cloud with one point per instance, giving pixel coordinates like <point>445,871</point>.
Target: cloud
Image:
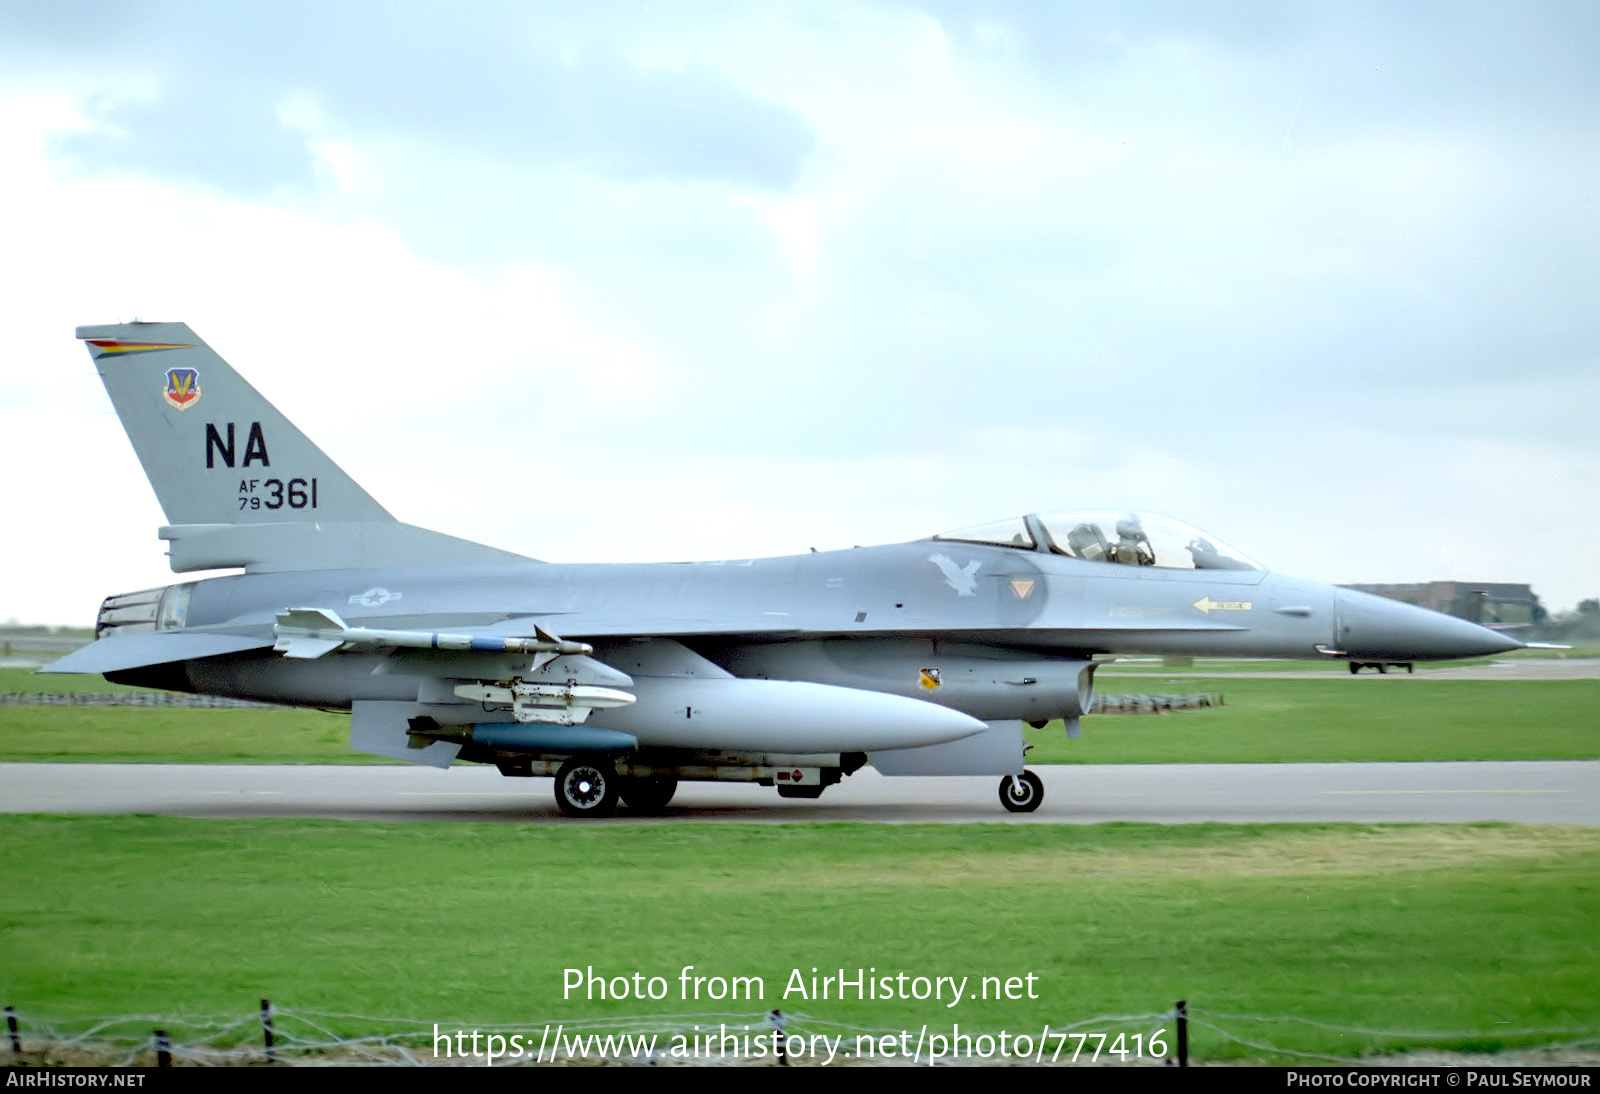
<point>491,79</point>
<point>759,276</point>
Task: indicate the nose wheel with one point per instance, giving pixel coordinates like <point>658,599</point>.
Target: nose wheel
<point>1021,793</point>
<point>587,787</point>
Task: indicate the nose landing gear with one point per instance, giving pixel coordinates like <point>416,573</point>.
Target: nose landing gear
<point>1023,793</point>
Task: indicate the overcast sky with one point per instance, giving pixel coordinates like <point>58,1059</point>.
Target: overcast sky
<point>614,281</point>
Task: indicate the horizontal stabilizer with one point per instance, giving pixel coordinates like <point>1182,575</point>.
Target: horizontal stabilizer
<point>137,651</point>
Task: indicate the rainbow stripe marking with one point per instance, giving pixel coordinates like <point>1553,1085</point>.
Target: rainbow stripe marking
<point>105,347</point>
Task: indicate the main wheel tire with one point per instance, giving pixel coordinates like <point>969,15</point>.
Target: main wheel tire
<point>650,794</point>
<point>587,786</point>
<point>1023,793</point>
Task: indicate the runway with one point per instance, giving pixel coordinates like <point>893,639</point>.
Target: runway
<point>1529,792</point>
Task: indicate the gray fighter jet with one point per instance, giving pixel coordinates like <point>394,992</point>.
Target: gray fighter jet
<point>920,658</point>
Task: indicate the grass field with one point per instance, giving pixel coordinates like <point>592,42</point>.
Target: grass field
<point>1474,929</point>
<point>29,682</point>
<point>1341,719</point>
<point>175,735</point>
<point>162,734</point>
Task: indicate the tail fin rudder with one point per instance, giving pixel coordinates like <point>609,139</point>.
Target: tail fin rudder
<point>239,483</point>
<point>208,441</point>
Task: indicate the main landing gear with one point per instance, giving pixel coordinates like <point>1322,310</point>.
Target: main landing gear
<point>1023,793</point>
<point>649,794</point>
<point>587,786</point>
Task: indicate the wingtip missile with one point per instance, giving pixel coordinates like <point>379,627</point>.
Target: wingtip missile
<point>306,633</point>
<point>313,632</point>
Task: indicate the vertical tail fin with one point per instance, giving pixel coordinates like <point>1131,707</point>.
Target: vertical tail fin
<point>240,485</point>
<point>208,441</point>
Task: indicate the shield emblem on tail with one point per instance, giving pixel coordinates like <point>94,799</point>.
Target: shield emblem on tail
<point>183,388</point>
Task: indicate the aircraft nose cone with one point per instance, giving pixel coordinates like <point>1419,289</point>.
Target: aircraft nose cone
<point>1379,629</point>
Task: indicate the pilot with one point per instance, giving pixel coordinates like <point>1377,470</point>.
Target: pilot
<point>1133,546</point>
<point>1204,553</point>
<point>1086,542</point>
<point>1207,557</point>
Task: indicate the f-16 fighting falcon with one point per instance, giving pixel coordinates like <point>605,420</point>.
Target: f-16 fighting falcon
<point>920,658</point>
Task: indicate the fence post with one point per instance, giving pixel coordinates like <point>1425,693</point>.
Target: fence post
<point>11,1028</point>
<point>1183,1033</point>
<point>266,1030</point>
<point>163,1049</point>
<point>776,1018</point>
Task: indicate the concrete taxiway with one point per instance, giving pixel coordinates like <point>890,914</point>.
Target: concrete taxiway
<point>1531,792</point>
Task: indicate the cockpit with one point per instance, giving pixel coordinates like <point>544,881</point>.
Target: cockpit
<point>1119,536</point>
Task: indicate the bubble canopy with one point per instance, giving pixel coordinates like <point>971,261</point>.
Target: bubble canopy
<point>1123,537</point>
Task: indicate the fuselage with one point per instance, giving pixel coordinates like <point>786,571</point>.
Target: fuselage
<point>1021,602</point>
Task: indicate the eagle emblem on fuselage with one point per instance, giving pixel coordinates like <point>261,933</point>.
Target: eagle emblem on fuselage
<point>963,579</point>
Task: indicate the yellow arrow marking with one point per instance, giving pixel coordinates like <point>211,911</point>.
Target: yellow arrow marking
<point>1207,605</point>
<point>1022,587</point>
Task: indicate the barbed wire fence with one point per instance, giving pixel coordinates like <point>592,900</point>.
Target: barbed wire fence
<point>303,1037</point>
<point>130,699</point>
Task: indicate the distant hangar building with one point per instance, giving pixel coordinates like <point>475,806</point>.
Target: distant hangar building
<point>1489,603</point>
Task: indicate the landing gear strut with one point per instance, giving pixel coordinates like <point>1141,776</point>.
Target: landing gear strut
<point>1023,793</point>
<point>587,786</point>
